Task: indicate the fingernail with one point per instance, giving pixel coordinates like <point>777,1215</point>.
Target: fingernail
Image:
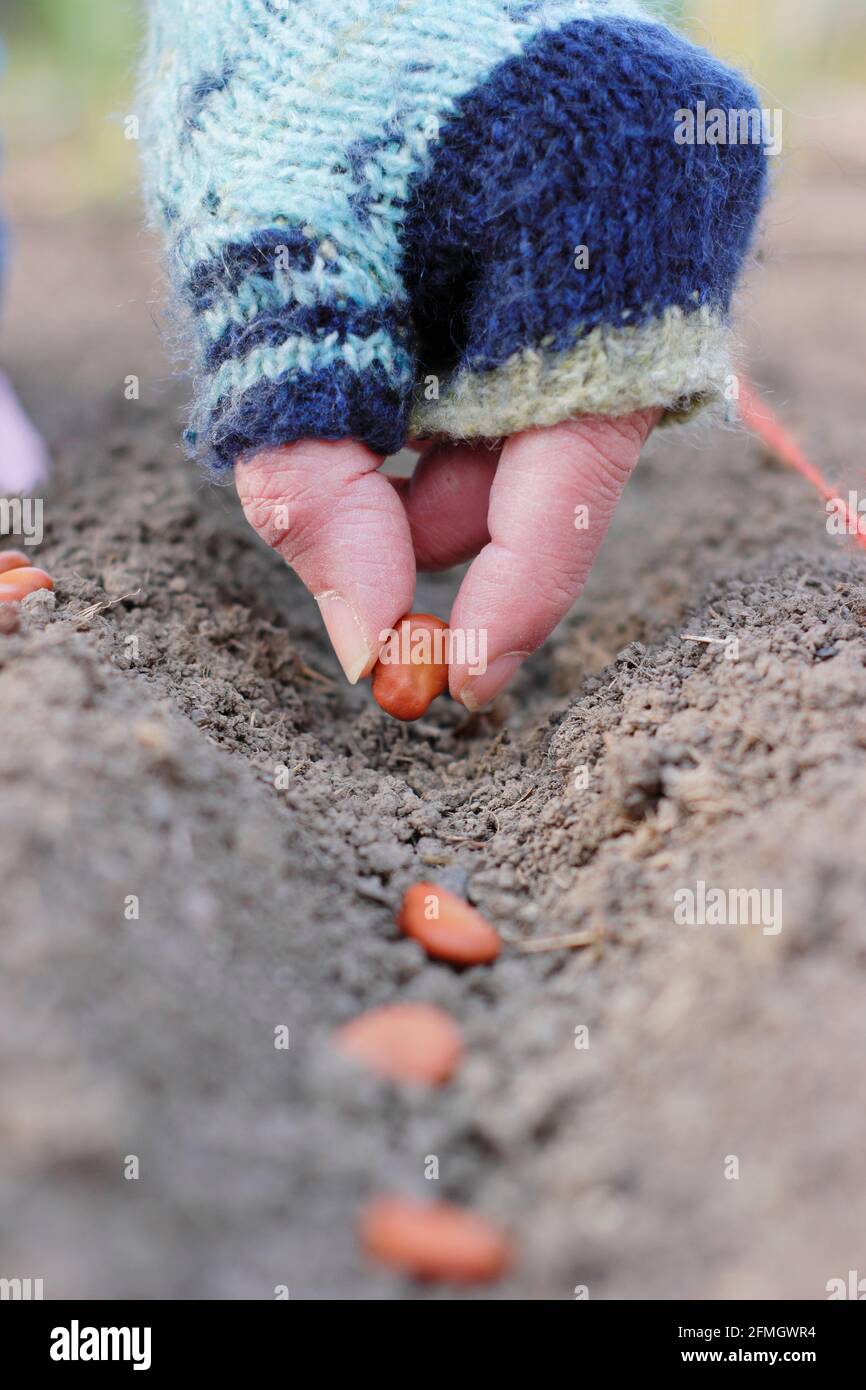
<point>347,636</point>
<point>480,690</point>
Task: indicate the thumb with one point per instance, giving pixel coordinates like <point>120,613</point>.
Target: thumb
<point>342,527</point>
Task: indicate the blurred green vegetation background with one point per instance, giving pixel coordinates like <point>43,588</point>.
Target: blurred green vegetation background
<point>70,77</point>
<point>67,82</point>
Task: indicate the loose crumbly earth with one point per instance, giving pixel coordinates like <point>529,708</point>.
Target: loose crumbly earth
<point>148,717</point>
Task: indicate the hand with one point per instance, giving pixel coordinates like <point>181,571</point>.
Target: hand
<point>355,537</point>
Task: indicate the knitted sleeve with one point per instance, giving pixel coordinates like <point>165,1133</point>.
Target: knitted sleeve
<point>394,217</point>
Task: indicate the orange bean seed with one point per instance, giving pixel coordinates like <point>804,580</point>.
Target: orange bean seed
<point>12,560</point>
<point>17,583</point>
<point>406,1042</point>
<point>447,927</point>
<point>413,667</point>
<point>434,1240</point>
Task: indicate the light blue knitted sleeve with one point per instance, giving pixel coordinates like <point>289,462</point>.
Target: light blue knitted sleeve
<point>372,210</point>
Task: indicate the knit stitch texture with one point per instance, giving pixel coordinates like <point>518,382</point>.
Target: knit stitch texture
<point>374,212</point>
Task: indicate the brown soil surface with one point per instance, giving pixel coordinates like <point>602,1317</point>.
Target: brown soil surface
<point>145,719</point>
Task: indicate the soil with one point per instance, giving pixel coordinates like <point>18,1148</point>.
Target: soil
<point>204,835</point>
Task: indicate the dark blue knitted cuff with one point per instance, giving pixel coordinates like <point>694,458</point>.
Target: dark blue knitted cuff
<point>565,254</point>
<point>334,403</point>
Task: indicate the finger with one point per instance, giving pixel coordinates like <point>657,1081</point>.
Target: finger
<point>551,503</point>
<point>341,526</point>
<point>447,500</point>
